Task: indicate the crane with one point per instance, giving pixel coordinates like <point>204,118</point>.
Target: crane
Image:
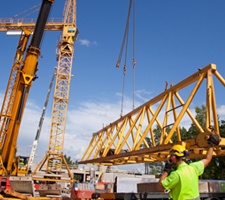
<point>35,142</point>
<point>122,141</point>
<point>54,158</point>
<point>20,81</point>
<point>65,46</point>
<point>11,24</point>
<point>28,27</point>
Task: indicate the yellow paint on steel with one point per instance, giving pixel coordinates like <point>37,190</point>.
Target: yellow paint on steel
<point>125,140</point>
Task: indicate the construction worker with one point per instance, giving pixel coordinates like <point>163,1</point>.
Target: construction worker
<point>21,163</point>
<point>181,179</point>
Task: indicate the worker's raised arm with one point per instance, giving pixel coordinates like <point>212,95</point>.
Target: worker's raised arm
<point>213,139</point>
<point>208,158</point>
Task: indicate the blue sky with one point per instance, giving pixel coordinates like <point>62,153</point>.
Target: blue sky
<point>173,39</point>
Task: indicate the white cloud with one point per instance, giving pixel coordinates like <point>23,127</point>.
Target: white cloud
<point>141,93</point>
<point>28,130</point>
<point>221,112</point>
<point>87,43</point>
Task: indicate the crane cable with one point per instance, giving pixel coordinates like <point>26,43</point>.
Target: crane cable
<point>36,7</point>
<point>124,36</point>
<point>125,44</point>
<point>124,75</point>
<point>134,47</point>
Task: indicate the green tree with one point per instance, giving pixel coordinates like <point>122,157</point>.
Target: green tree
<point>200,117</point>
<point>184,133</point>
<point>69,161</point>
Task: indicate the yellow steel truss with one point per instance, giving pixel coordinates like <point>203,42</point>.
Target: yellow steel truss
<point>122,141</point>
<point>55,158</point>
<point>9,99</point>
<point>11,24</point>
<point>62,88</point>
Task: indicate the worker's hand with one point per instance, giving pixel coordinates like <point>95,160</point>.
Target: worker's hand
<point>169,166</point>
<point>213,139</point>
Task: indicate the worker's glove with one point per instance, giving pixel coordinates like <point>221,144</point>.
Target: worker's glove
<point>169,166</point>
<point>213,139</point>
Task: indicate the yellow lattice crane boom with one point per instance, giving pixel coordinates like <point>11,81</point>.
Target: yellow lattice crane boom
<point>55,158</point>
<point>11,24</point>
<point>131,138</point>
<point>20,81</point>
